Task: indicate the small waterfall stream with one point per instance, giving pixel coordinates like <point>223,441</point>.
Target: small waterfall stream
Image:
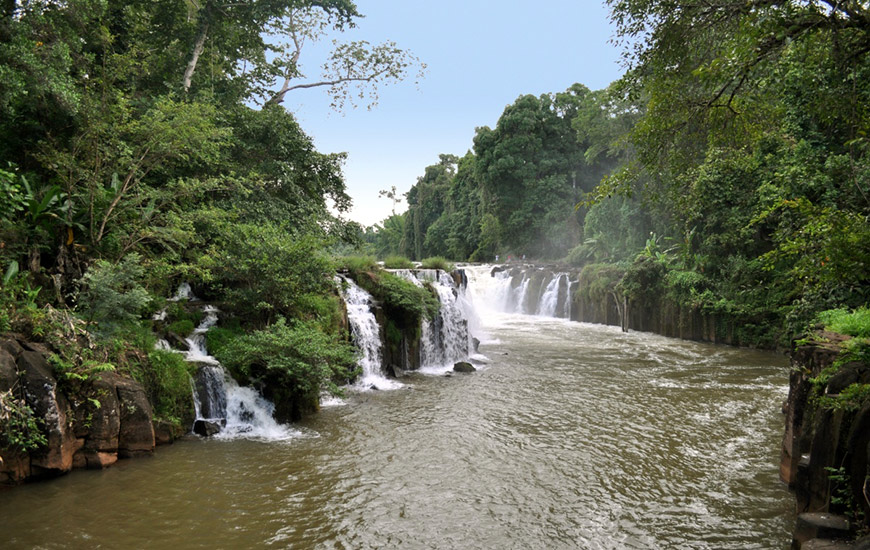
<point>366,336</point>
<point>445,339</point>
<point>223,408</point>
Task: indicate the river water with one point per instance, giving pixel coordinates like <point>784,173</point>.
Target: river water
<point>571,436</point>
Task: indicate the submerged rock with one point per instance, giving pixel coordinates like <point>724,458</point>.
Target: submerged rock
<point>464,366</point>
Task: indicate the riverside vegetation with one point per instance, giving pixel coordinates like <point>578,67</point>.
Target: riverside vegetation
<point>144,144</point>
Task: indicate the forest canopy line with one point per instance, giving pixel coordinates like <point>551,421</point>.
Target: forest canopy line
<point>143,144</point>
<point>726,170</point>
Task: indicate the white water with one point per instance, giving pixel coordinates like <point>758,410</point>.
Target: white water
<point>366,336</point>
<point>498,292</point>
<point>550,297</point>
<point>447,338</point>
<point>248,414</point>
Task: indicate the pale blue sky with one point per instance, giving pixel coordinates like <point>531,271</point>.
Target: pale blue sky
<point>481,55</point>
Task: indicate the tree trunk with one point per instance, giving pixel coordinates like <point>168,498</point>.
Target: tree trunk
<point>197,51</point>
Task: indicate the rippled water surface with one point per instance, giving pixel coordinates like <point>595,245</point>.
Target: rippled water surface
<point>573,436</point>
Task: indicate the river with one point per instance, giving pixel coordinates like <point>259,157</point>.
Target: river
<point>571,436</point>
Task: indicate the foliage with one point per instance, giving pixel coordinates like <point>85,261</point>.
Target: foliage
<point>398,262</point>
<point>166,379</point>
<point>358,264</point>
<point>182,327</point>
<point>262,272</point>
<point>600,281</point>
<point>436,262</point>
<point>404,302</point>
<point>294,360</point>
<point>20,430</point>
<point>111,294</point>
<point>843,321</point>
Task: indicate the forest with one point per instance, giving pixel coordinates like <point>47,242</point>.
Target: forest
<point>145,144</point>
<point>727,170</point>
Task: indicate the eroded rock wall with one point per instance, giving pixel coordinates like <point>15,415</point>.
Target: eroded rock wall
<point>87,424</point>
<point>824,455</point>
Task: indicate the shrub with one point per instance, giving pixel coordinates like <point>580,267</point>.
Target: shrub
<point>292,362</point>
<point>111,294</point>
<point>182,327</point>
<point>853,323</point>
<point>166,378</point>
<point>19,428</point>
<point>358,264</point>
<point>436,262</point>
<point>398,262</point>
<point>403,301</point>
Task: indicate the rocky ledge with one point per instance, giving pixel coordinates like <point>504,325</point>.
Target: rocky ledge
<point>826,444</point>
<point>85,424</point>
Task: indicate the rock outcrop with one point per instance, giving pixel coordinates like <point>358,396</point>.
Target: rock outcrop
<point>78,433</point>
<point>825,446</point>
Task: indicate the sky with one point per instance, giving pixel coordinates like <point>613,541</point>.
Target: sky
<point>480,56</point>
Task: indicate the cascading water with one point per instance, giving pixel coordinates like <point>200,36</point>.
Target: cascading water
<point>522,290</point>
<point>445,339</point>
<point>218,399</point>
<point>366,336</point>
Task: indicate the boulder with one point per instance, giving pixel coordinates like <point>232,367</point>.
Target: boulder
<point>136,432</point>
<point>207,427</point>
<point>463,366</point>
<point>14,468</point>
<point>8,371</point>
<point>177,342</point>
<point>476,344</point>
<point>101,443</point>
<point>166,432</point>
<point>819,525</point>
<point>12,346</point>
<point>52,407</point>
<point>845,377</point>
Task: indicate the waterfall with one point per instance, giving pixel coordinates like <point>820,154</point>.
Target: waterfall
<point>366,336</point>
<point>223,408</point>
<point>445,339</point>
<point>526,289</point>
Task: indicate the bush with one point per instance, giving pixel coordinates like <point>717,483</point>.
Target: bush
<point>19,428</point>
<point>398,262</point>
<point>358,264</point>
<point>437,262</point>
<point>404,302</point>
<point>166,379</point>
<point>111,294</point>
<point>182,327</point>
<point>291,361</point>
<point>853,323</point>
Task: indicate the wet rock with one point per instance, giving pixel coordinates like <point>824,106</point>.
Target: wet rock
<point>496,269</point>
<point>166,432</point>
<point>826,544</point>
<point>464,366</point>
<point>476,344</point>
<point>177,342</point>
<point>819,525</point>
<point>208,427</point>
<point>101,443</point>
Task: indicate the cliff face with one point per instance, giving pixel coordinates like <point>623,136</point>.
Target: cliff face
<point>824,456</point>
<point>83,423</point>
